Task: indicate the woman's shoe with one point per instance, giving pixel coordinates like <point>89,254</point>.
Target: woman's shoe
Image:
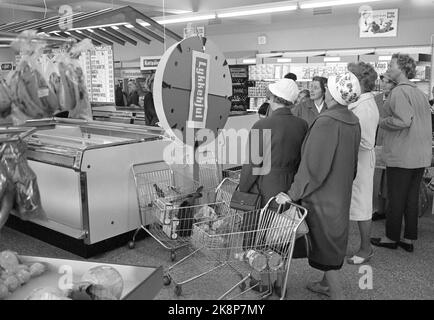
<point>389,245</point>
<point>356,260</point>
<point>406,246</point>
<point>318,288</point>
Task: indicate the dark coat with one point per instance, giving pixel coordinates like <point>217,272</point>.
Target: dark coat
<point>307,111</point>
<point>151,117</point>
<point>287,135</point>
<point>324,183</point>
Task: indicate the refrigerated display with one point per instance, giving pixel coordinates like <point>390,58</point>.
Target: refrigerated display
<point>84,175</point>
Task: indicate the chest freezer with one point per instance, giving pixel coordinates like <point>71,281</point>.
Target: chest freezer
<point>84,174</point>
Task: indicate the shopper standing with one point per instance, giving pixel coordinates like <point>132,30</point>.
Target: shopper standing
<point>313,107</point>
<point>366,110</point>
<point>324,181</point>
<point>287,135</point>
<point>133,95</point>
<point>303,96</point>
<point>407,152</point>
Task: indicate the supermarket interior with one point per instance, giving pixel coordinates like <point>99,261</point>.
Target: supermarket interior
<point>203,150</point>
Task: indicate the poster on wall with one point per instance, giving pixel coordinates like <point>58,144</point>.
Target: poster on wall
<point>378,23</point>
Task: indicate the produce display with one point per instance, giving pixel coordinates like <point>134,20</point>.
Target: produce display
<point>98,283</point>
<point>32,93</point>
<point>13,274</point>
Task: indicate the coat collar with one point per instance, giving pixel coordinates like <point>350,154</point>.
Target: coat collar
<point>282,112</point>
<point>311,105</point>
<point>363,97</point>
<point>340,113</point>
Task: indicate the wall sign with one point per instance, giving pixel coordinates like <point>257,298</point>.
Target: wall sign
<point>149,63</point>
<point>199,90</point>
<point>378,23</point>
<point>6,66</point>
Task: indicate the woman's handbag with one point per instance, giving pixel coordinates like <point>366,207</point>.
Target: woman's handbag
<point>244,201</point>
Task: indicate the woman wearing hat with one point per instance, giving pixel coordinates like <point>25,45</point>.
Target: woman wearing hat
<point>287,135</point>
<point>366,110</point>
<point>312,107</point>
<point>324,181</point>
<point>407,151</point>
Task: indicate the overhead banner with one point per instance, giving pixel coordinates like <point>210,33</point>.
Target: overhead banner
<point>199,90</point>
<point>378,23</point>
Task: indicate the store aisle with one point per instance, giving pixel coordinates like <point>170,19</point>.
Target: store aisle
<point>396,273</point>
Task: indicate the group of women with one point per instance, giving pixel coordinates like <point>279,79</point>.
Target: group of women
<point>322,157</point>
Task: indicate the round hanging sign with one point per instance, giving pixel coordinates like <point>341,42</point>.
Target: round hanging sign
<point>192,87</point>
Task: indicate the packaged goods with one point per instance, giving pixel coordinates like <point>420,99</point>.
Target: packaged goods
<point>274,259</point>
<point>102,283</point>
<point>255,259</point>
<point>37,269</point>
<point>27,201</point>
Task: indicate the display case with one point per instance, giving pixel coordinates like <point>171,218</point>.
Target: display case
<point>85,180</point>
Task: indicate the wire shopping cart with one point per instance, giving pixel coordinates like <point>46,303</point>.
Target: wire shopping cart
<point>169,199</point>
<point>255,245</point>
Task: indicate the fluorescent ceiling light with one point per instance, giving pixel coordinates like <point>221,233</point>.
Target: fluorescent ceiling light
<point>284,60</point>
<point>186,19</point>
<point>249,61</point>
<point>129,26</point>
<point>332,59</point>
<point>321,4</point>
<point>115,27</point>
<point>250,12</point>
<point>385,58</point>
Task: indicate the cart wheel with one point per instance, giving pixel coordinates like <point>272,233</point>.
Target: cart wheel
<point>131,245</point>
<point>172,256</point>
<point>178,290</point>
<point>167,280</point>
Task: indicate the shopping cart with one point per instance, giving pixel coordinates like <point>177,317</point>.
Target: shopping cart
<point>255,246</point>
<point>169,199</point>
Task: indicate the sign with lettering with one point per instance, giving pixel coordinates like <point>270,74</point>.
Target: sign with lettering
<point>149,63</point>
<point>199,90</point>
<point>6,66</point>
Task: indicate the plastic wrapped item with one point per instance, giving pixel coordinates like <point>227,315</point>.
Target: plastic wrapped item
<point>31,95</point>
<point>73,95</point>
<point>27,201</point>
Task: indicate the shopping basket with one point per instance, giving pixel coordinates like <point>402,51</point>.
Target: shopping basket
<point>242,246</point>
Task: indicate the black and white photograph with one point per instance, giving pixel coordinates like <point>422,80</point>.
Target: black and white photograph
<point>216,158</point>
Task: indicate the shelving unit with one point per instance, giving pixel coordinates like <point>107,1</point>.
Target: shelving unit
<point>240,77</point>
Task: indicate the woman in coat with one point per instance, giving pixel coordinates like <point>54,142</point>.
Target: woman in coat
<point>287,135</point>
<point>407,151</point>
<point>324,181</point>
<point>363,187</point>
<point>311,108</point>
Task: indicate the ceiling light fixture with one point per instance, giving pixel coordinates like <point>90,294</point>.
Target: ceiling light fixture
<point>255,10</point>
<point>187,19</point>
<point>249,61</point>
<point>321,4</point>
<point>332,59</point>
<point>284,60</point>
<point>385,58</point>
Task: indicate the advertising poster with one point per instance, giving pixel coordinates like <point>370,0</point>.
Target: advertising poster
<point>379,23</point>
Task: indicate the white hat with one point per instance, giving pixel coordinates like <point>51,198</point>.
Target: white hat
<point>344,88</point>
<point>285,88</point>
